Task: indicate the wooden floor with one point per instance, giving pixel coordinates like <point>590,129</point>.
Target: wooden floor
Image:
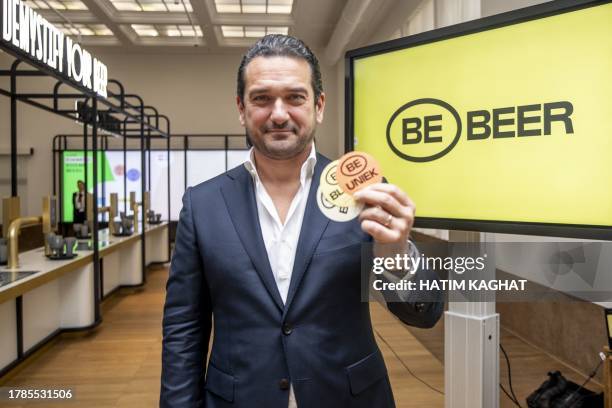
<point>118,364</point>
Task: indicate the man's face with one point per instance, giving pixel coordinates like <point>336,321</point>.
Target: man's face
<point>81,186</point>
<point>278,110</point>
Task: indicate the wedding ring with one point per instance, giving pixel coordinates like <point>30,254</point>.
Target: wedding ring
<point>388,221</point>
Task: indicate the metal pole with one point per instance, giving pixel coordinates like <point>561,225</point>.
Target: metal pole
<point>85,147</point>
<point>96,254</point>
<point>226,148</point>
<point>54,171</point>
<point>169,185</point>
<point>19,299</point>
<point>149,160</point>
<point>125,170</point>
<point>60,179</point>
<point>14,128</point>
<point>54,178</point>
<point>143,165</point>
<point>185,147</point>
<point>104,147</point>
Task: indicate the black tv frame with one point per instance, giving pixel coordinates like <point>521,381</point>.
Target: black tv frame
<point>539,11</point>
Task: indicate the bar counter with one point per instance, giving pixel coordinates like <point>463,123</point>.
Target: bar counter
<point>51,296</point>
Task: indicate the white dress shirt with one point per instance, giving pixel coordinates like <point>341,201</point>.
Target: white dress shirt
<point>281,239</point>
<point>79,203</point>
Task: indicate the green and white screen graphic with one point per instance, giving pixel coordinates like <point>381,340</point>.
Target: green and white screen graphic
<point>110,177</point>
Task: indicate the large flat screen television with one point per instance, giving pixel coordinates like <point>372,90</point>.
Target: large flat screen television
<point>502,124</point>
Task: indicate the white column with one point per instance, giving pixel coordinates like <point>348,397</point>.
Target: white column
<point>41,313</point>
<point>130,266</point>
<point>471,347</point>
<point>76,298</point>
<point>157,245</point>
<point>111,272</point>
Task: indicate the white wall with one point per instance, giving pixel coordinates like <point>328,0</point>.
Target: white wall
<point>491,7</point>
<point>197,92</point>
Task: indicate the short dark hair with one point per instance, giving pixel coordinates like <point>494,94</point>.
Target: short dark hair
<point>279,45</point>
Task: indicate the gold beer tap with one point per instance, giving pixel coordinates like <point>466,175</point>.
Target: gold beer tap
<point>134,206</point>
<point>47,219</point>
<point>112,212</point>
<point>13,238</point>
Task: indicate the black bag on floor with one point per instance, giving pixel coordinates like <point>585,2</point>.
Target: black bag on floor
<point>559,392</point>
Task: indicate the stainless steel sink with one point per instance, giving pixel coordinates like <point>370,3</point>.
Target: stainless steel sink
<point>8,277</point>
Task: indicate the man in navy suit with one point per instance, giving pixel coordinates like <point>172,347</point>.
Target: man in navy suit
<point>281,283</point>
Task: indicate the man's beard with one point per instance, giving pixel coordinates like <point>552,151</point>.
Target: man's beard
<point>301,144</point>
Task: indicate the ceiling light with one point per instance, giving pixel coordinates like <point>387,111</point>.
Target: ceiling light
<point>57,4</point>
<point>177,6</point>
<point>101,29</point>
<point>227,6</point>
<point>167,30</point>
<point>232,31</point>
<point>126,6</point>
<point>173,31</point>
<point>254,6</point>
<point>152,5</point>
<point>277,30</point>
<point>280,6</point>
<point>37,4</point>
<point>85,29</point>
<point>252,31</point>
<point>74,5</point>
<point>188,31</point>
<point>145,30</point>
<point>279,9</point>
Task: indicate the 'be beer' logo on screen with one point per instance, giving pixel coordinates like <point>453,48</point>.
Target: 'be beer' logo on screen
<point>427,129</point>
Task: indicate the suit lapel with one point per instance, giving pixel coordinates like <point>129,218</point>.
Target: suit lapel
<point>239,196</point>
<point>313,225</point>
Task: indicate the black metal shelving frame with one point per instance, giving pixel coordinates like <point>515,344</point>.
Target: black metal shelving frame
<point>137,120</point>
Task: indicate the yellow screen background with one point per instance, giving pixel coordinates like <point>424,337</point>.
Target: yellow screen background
<point>557,178</point>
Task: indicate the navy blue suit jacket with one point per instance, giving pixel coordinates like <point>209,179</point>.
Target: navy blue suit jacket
<point>321,341</point>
